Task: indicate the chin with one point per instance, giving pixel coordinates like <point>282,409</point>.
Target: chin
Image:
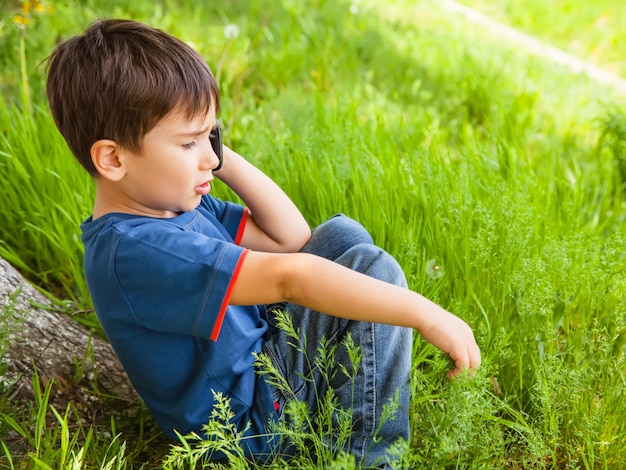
<point>193,206</point>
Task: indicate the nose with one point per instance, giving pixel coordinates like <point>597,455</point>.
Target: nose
<point>210,160</point>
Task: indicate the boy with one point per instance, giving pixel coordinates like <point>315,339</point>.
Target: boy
<point>181,281</point>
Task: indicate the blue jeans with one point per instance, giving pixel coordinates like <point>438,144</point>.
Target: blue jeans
<point>384,370</point>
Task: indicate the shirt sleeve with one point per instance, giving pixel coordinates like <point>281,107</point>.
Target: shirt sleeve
<point>178,282</point>
<point>232,217</point>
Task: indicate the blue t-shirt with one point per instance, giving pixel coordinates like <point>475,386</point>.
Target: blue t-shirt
<point>160,288</point>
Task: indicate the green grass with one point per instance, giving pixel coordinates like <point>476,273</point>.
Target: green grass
<point>454,149</point>
<point>591,30</point>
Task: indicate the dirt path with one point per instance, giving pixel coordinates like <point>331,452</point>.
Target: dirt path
<point>538,47</point>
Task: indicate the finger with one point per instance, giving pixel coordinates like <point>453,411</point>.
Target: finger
<point>461,361</point>
<point>474,358</point>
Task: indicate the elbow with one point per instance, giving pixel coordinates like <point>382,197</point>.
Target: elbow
<point>302,239</point>
<point>296,241</point>
<point>294,285</point>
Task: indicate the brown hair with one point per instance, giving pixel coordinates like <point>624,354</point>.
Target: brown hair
<point>118,80</point>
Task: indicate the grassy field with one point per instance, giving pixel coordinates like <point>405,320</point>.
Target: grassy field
<point>588,30</point>
<point>496,178</point>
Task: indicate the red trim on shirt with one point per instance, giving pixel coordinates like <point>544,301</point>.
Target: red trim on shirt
<point>220,316</point>
<point>242,226</point>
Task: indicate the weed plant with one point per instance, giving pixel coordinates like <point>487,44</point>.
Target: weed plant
<point>304,441</point>
<point>497,180</point>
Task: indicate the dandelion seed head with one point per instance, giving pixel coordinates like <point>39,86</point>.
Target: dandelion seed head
<point>231,31</point>
<point>433,270</point>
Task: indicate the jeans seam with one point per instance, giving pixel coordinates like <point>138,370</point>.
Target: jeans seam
<point>277,362</point>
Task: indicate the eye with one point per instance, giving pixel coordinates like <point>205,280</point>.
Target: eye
<point>189,145</point>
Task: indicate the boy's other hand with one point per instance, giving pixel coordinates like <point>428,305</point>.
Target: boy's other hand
<point>453,336</point>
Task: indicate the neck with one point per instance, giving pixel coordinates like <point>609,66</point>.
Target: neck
<point>109,199</point>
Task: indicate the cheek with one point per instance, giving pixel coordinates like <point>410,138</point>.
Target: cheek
<point>183,172</point>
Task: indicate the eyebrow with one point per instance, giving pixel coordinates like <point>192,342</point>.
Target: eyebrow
<point>197,132</point>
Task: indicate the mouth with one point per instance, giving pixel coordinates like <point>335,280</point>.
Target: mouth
<point>204,188</point>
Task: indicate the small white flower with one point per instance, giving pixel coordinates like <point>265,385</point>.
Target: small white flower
<point>231,31</point>
<point>354,9</point>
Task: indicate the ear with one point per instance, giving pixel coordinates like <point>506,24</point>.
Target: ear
<point>105,155</point>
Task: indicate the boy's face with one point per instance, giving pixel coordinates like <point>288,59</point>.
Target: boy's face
<point>174,167</point>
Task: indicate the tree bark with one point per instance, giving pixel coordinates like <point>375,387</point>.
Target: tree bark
<point>84,367</point>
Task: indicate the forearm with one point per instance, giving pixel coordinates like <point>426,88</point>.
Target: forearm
<point>328,287</point>
<point>348,294</point>
<point>272,211</point>
<point>345,293</point>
